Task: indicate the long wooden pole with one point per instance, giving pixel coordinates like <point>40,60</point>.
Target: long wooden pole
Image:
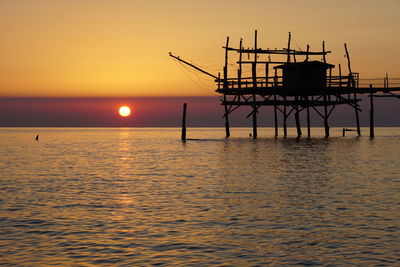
<point>183,137</point>
<point>191,65</point>
<point>254,72</point>
<point>354,94</point>
<point>227,130</point>
<point>371,115</point>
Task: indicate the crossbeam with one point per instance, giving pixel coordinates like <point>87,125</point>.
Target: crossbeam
<point>276,51</point>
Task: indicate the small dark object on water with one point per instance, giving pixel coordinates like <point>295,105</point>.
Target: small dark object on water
<point>37,138</point>
<point>250,135</point>
<point>347,130</point>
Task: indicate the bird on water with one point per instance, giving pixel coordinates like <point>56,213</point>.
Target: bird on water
<point>37,137</point>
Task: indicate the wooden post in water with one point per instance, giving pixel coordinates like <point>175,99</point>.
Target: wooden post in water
<point>326,117</point>
<point>371,114</point>
<point>184,123</point>
<point>308,119</point>
<point>284,118</point>
<point>275,117</point>
<point>275,84</point>
<point>297,118</point>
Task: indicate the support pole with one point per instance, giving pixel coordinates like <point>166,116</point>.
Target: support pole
<point>308,120</point>
<point>297,118</point>
<point>284,118</point>
<point>371,114</point>
<point>275,117</point>
<point>227,131</point>
<point>326,118</point>
<point>357,116</point>
<point>254,122</point>
<point>184,123</point>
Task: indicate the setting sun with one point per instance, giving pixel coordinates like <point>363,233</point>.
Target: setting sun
<point>124,111</point>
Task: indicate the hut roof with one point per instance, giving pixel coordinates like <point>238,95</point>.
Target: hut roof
<point>313,63</point>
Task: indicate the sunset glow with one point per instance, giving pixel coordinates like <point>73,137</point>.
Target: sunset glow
<point>120,48</point>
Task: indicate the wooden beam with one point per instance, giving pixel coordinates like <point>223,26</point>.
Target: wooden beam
<point>278,51</point>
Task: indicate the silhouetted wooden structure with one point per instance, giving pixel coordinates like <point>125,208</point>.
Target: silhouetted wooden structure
<point>296,84</point>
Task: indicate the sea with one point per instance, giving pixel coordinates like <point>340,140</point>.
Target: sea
<point>142,197</point>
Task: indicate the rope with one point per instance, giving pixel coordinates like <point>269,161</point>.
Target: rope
<point>198,82</point>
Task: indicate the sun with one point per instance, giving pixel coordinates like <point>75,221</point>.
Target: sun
<point>124,111</point>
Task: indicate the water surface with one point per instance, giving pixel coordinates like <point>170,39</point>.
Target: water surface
<point>124,197</point>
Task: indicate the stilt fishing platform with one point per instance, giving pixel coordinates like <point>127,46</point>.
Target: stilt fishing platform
<point>291,84</point>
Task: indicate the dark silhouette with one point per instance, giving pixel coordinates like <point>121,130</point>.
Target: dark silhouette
<point>37,137</point>
<point>183,137</point>
<point>296,84</point>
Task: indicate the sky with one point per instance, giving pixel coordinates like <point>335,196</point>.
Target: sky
<point>119,49</point>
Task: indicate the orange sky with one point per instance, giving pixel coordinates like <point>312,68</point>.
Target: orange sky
<point>63,48</point>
